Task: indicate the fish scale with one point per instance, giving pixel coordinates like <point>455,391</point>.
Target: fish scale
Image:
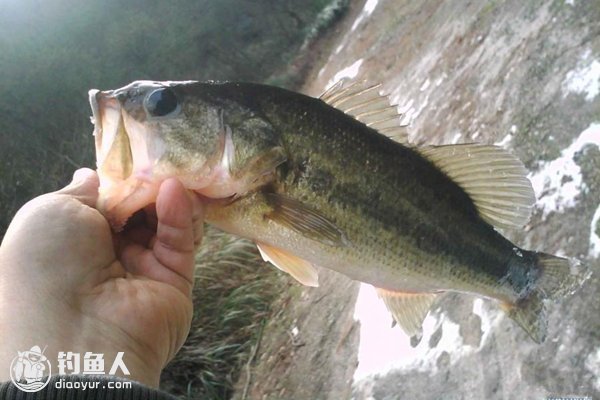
<point>314,185</point>
<point>402,201</point>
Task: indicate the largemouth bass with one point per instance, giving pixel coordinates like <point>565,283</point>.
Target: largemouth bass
<point>319,182</point>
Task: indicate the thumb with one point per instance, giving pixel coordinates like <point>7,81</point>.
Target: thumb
<point>84,187</point>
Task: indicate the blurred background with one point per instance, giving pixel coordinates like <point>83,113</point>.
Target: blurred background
<point>53,52</point>
<point>522,75</point>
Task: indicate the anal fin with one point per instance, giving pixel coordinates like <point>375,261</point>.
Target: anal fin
<point>408,309</point>
<point>303,271</point>
<point>530,314</point>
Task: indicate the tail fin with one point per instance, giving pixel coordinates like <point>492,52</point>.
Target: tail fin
<point>559,277</point>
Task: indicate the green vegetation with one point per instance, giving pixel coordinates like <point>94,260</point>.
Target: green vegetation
<point>233,292</point>
<point>53,52</point>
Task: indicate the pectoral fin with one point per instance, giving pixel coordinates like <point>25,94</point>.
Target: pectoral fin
<point>300,269</point>
<point>304,220</point>
<point>408,309</point>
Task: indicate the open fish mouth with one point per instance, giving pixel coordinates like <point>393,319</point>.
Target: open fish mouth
<point>121,191</point>
<point>113,149</point>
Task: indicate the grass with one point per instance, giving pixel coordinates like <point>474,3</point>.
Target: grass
<point>233,291</point>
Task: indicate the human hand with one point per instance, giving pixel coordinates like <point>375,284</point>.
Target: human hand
<point>68,282</point>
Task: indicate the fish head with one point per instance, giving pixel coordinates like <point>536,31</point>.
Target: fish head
<point>147,132</point>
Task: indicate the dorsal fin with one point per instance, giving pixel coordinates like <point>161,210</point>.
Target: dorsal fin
<point>364,102</point>
<point>495,180</point>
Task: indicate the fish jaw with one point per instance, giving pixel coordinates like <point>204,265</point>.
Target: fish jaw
<point>118,200</point>
<point>124,160</point>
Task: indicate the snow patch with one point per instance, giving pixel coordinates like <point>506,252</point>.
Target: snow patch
<point>594,238</point>
<point>504,142</point>
<point>490,318</point>
<point>383,349</point>
<point>559,181</point>
<point>592,363</point>
<point>366,12</point>
<point>570,2</point>
<point>456,138</point>
<point>441,79</point>
<point>408,110</point>
<point>584,79</point>
<point>321,72</point>
<point>348,72</point>
<point>425,85</point>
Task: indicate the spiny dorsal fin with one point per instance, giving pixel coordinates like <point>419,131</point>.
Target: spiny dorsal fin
<point>495,180</point>
<point>364,102</point>
<point>408,309</point>
<point>303,271</point>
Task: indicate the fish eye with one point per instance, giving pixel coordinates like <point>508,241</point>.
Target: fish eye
<point>161,102</point>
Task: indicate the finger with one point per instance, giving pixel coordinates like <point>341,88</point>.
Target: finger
<point>140,261</point>
<point>174,244</point>
<point>84,187</point>
<point>141,235</point>
<point>198,210</point>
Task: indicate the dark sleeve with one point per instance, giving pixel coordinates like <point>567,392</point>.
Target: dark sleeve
<point>88,387</point>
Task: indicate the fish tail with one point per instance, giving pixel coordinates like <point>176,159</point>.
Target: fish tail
<point>558,277</point>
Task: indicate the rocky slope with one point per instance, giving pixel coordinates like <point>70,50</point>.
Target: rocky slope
<point>524,75</point>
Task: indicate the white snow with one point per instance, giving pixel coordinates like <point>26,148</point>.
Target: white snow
<point>366,12</point>
<point>594,238</point>
<point>370,6</point>
<point>592,363</point>
<point>425,85</point>
<point>321,72</point>
<point>551,192</point>
<point>504,142</point>
<point>383,349</point>
<point>570,2</point>
<point>348,72</point>
<point>441,79</point>
<point>456,138</point>
<point>584,79</point>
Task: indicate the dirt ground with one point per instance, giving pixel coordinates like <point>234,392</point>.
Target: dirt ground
<point>521,74</point>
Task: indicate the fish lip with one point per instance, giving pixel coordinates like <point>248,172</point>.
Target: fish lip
<point>102,103</point>
<point>96,119</point>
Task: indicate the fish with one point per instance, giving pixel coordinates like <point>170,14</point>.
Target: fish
<point>334,182</point>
